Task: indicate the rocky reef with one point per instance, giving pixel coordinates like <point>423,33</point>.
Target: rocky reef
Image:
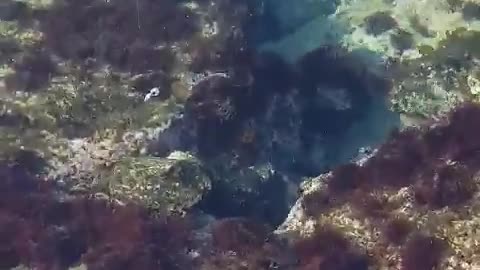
<point>410,205</point>
<point>238,134</point>
<point>406,206</point>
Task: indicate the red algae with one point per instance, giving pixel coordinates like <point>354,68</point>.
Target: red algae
<point>328,249</point>
<point>429,168</point>
<point>44,229</point>
<point>239,235</point>
<point>396,230</point>
<point>422,252</point>
<point>41,229</point>
<point>439,162</point>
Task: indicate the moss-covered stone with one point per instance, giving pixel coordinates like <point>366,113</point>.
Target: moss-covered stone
<point>170,184</point>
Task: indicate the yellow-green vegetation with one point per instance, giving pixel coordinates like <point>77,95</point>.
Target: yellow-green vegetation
<point>38,4</point>
<point>441,78</point>
<point>87,105</point>
<point>70,107</point>
<point>423,104</point>
<point>16,132</point>
<point>460,43</point>
<point>23,36</point>
<point>162,184</point>
<point>66,109</point>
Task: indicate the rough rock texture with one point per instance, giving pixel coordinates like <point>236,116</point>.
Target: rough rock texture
<point>76,77</point>
<point>410,205</point>
<point>430,42</point>
<point>99,98</point>
<point>171,184</point>
<point>44,228</point>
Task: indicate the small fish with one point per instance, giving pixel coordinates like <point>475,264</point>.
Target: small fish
<point>154,92</point>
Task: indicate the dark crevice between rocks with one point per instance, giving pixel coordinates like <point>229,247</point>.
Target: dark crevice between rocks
<point>255,199</point>
<point>301,119</point>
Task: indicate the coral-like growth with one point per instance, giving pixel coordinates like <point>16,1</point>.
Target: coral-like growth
<point>422,252</point>
<point>328,249</point>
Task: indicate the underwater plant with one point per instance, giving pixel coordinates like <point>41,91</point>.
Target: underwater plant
<point>399,202</point>
<point>328,249</point>
<point>44,229</point>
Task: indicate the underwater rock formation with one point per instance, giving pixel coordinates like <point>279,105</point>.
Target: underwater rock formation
<point>402,201</point>
<point>329,83</point>
<point>76,76</point>
<point>385,211</point>
<point>267,113</point>
<point>329,249</point>
<point>238,243</point>
<point>97,95</point>
<point>95,76</point>
<point>42,228</point>
<point>172,184</point>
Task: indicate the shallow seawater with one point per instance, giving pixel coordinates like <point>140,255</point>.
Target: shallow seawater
<point>239,134</point>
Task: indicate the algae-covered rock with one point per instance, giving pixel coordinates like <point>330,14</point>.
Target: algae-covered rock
<point>395,204</point>
<point>169,184</point>
<point>441,78</point>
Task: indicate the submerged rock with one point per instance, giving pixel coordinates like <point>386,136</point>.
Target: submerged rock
<point>410,204</point>
<point>172,184</point>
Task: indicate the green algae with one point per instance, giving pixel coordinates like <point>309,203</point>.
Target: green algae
<point>26,37</point>
<point>170,184</point>
<point>441,78</point>
<point>459,44</point>
<point>423,104</point>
